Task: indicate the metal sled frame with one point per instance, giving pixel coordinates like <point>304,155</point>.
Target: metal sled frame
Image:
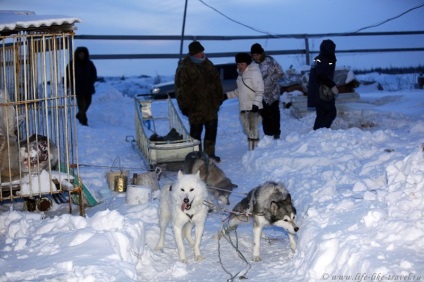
<point>160,152</point>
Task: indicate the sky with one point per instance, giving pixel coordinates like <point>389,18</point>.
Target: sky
<point>358,189</point>
<point>215,17</point>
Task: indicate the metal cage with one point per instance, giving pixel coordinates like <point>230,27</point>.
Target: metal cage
<point>38,140</point>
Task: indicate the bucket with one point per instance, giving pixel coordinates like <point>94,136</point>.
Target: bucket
<point>111,176</point>
<point>149,179</point>
<point>138,194</point>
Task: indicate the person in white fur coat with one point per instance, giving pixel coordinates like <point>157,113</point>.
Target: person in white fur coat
<point>250,91</point>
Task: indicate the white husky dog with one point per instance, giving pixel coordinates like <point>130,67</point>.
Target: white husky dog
<point>182,204</point>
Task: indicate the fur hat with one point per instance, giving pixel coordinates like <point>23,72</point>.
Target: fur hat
<point>195,47</point>
<point>243,58</point>
<point>256,49</point>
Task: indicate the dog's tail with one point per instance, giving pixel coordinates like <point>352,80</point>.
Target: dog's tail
<point>198,155</point>
<point>192,157</point>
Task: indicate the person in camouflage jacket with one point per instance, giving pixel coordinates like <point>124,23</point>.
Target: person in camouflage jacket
<point>272,72</point>
<point>199,94</point>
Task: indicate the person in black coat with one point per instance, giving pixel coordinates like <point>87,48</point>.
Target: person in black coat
<point>321,88</point>
<point>85,77</point>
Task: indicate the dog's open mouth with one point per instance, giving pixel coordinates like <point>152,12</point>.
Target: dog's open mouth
<point>186,205</point>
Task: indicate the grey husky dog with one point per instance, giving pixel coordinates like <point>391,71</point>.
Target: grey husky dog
<point>219,185</point>
<point>182,204</point>
<point>268,204</point>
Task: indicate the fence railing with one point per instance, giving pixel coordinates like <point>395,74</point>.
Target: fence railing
<point>364,50</point>
<point>306,51</point>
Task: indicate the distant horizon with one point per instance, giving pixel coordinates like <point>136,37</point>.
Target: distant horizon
<point>389,70</point>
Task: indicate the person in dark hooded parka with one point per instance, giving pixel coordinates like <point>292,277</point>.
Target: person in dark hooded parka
<point>85,77</point>
<point>322,89</point>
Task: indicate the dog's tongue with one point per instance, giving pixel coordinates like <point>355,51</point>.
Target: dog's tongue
<point>185,206</point>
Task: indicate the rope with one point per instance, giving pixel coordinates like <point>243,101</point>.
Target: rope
<point>224,232</point>
<point>210,187</point>
<point>108,166</point>
<point>242,273</point>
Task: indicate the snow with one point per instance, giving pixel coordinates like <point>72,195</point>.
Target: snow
<point>358,189</point>
<point>18,20</point>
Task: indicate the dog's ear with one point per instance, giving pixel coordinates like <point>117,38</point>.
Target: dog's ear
<point>273,208</point>
<point>234,185</point>
<point>180,173</point>
<point>288,199</point>
<point>197,174</point>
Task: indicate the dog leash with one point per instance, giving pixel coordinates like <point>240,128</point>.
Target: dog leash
<point>225,190</point>
<point>216,208</point>
<point>223,234</point>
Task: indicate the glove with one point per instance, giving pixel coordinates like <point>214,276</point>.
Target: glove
<point>335,90</point>
<point>255,109</point>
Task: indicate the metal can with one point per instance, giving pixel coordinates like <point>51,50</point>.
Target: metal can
<point>121,183</point>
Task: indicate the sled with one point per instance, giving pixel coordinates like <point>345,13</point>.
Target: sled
<point>161,136</point>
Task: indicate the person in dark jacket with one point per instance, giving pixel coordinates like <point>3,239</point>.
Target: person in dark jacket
<point>85,77</point>
<point>321,88</point>
<point>199,94</point>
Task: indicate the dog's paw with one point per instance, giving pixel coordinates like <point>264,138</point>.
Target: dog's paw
<point>256,258</point>
<point>199,258</point>
<point>293,246</point>
<point>158,248</point>
<point>184,260</point>
<point>218,236</point>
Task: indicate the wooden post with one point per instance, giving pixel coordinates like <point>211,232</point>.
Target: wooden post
<point>307,53</point>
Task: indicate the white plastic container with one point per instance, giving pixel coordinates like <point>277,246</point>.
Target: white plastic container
<point>138,194</point>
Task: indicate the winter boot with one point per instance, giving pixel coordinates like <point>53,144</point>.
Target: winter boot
<point>209,147</point>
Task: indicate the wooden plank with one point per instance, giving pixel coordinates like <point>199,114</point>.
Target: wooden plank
<point>299,103</point>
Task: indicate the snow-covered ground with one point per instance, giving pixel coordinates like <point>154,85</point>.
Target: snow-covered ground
<point>358,189</point>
